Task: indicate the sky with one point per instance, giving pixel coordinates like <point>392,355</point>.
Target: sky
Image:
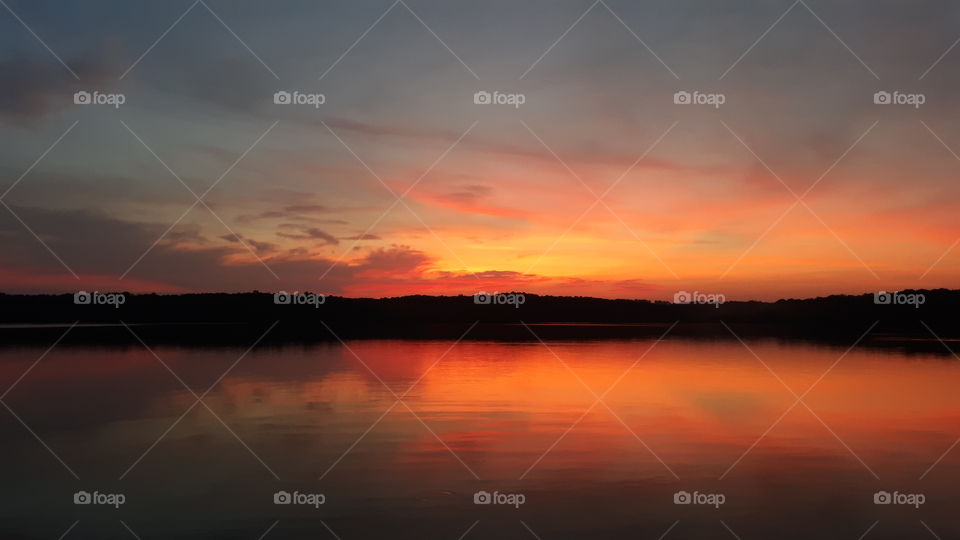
<point>785,179</point>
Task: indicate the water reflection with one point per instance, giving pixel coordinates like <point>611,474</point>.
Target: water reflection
<point>508,417</point>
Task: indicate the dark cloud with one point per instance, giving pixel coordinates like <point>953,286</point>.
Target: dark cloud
<point>365,236</point>
<point>260,247</point>
<point>231,238</point>
<point>395,259</point>
<point>312,233</point>
<point>34,87</point>
<point>293,212</point>
<point>306,209</point>
<point>269,214</point>
<point>469,195</point>
<point>99,247</point>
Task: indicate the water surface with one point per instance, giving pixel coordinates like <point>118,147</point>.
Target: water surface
<point>515,418</point>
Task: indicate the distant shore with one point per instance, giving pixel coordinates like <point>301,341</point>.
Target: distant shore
<point>235,319</point>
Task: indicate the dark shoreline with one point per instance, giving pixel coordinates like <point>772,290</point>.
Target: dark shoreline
<point>237,320</point>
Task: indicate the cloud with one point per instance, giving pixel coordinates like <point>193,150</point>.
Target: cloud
<point>259,247</point>
<point>586,152</point>
<point>306,209</point>
<point>359,237</point>
<point>294,212</point>
<point>33,88</point>
<point>312,233</point>
<point>99,248</point>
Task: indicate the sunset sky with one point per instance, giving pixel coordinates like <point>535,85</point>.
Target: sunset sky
<point>494,197</point>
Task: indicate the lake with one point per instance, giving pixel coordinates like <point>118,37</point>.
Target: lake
<point>690,438</point>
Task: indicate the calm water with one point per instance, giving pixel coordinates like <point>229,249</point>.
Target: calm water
<point>488,416</point>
